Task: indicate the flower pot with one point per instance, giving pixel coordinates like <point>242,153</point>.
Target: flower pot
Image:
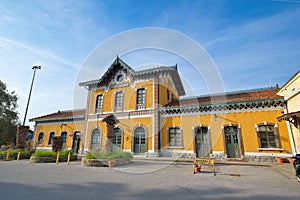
<point>291,160</point>
<point>280,160</point>
<point>111,163</point>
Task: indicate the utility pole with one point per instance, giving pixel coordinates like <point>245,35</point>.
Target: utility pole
<point>34,70</point>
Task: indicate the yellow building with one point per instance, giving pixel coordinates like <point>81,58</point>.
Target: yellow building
<point>291,93</point>
<point>154,117</point>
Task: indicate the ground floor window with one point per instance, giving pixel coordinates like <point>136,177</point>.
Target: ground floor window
<point>96,139</point>
<point>117,139</point>
<point>51,136</point>
<point>267,136</point>
<point>175,137</point>
<point>40,138</point>
<point>64,136</point>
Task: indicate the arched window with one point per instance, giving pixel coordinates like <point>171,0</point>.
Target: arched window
<point>64,136</point>
<point>117,140</point>
<point>96,139</point>
<point>51,136</point>
<point>139,140</point>
<point>40,138</point>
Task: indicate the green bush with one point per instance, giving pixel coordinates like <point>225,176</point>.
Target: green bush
<point>108,155</point>
<point>14,152</point>
<point>50,154</point>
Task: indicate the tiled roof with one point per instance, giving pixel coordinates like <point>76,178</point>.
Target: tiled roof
<point>61,115</point>
<point>232,97</point>
<point>120,64</point>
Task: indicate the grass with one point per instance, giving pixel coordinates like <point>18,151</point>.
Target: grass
<point>14,152</point>
<point>108,155</point>
<point>39,154</point>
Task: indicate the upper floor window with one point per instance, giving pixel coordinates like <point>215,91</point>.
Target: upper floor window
<point>51,136</point>
<point>99,103</point>
<point>141,99</point>
<point>175,137</point>
<point>168,95</point>
<point>64,136</point>
<point>267,136</point>
<point>172,97</point>
<point>119,101</point>
<point>40,138</point>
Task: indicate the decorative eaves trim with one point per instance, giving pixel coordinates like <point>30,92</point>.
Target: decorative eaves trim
<point>223,106</point>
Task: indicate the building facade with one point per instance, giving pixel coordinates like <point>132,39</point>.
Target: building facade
<point>291,93</point>
<point>154,117</point>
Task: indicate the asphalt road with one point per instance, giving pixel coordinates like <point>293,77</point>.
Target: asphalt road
<point>20,180</point>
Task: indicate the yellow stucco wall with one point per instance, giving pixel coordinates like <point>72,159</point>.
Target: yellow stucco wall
<point>127,127</point>
<point>246,120</point>
<point>70,128</point>
<point>291,92</point>
<point>129,97</point>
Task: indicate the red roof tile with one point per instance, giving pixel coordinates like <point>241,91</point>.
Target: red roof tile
<point>61,115</point>
<point>253,95</point>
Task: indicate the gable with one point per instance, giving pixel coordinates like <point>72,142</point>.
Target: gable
<point>119,74</point>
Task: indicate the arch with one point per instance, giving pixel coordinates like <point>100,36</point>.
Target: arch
<point>95,139</point>
<point>139,141</point>
<point>117,139</point>
<point>76,141</point>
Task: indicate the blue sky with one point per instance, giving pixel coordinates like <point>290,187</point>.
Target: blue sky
<point>253,43</point>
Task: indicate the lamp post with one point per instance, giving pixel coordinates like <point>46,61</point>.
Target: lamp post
<point>34,70</point>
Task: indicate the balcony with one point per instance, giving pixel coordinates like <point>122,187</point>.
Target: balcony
<point>140,106</point>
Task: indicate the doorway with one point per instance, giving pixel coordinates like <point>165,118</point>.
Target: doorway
<point>139,143</point>
<point>76,142</point>
<point>202,142</point>
<point>232,141</point>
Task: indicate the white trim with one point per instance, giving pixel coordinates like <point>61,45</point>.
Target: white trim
<point>86,119</point>
<point>266,154</point>
<point>270,149</point>
<point>153,103</point>
<point>62,122</point>
<point>292,94</point>
<point>290,132</point>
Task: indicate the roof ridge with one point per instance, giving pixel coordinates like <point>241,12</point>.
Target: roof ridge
<point>229,92</point>
<point>154,68</point>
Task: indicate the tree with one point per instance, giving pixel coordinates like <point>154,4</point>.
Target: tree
<point>8,115</point>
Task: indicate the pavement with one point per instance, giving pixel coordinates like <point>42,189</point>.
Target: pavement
<point>285,169</point>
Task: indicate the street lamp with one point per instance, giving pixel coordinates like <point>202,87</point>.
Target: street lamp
<point>34,69</point>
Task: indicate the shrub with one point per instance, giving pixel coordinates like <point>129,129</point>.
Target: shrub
<point>50,154</point>
<point>108,155</point>
<point>14,152</point>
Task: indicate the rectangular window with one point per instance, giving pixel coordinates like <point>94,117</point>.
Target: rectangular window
<point>119,102</point>
<point>51,136</point>
<point>175,137</point>
<point>267,137</point>
<point>141,99</point>
<point>99,103</point>
<point>168,95</point>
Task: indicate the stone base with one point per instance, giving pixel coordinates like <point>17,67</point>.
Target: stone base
<point>177,154</point>
<point>105,162</point>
